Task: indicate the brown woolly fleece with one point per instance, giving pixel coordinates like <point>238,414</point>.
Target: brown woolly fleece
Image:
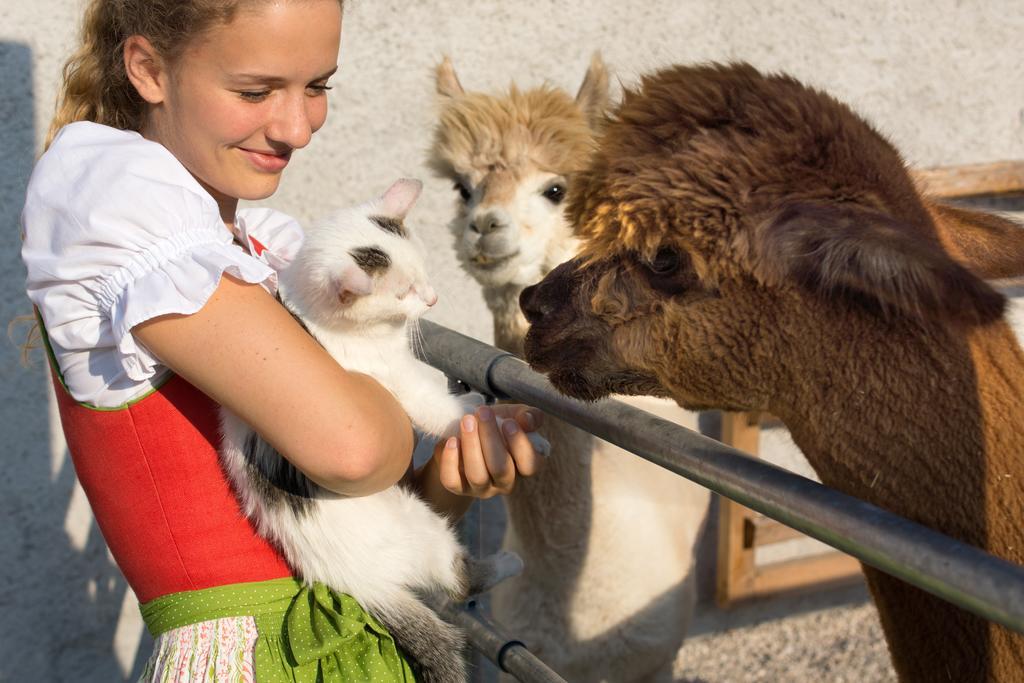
<point>750,243</point>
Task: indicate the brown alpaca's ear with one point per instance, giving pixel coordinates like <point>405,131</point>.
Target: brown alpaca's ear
<point>445,80</point>
<point>866,255</point>
<point>989,246</point>
<point>592,97</point>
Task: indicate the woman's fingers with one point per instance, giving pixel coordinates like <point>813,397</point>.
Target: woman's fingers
<point>528,419</point>
<point>523,454</point>
<point>490,452</point>
<point>473,465</point>
<point>450,473</point>
<point>497,460</point>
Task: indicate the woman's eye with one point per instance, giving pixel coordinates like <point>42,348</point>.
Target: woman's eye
<point>462,190</point>
<point>254,95</point>
<point>320,89</point>
<point>554,194</point>
<point>665,261</point>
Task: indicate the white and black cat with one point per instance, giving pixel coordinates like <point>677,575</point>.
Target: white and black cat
<point>356,283</point>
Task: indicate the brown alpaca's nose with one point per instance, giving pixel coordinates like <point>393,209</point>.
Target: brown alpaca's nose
<point>533,307</point>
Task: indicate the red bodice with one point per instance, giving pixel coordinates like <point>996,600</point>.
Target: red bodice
<point>154,481</point>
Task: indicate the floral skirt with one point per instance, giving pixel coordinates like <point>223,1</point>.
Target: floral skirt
<point>278,631</point>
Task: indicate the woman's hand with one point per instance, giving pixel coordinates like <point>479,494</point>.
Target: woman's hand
<point>483,461</point>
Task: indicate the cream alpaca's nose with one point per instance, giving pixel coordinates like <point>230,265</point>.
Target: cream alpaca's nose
<point>485,223</point>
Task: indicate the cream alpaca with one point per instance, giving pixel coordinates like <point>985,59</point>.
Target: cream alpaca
<point>608,589</point>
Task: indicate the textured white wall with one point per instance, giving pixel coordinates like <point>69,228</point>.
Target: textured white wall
<point>942,78</point>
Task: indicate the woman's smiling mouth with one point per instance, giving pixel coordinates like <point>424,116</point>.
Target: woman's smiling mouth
<point>268,162</point>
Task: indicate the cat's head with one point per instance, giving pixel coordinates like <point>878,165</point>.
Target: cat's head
<point>362,264</point>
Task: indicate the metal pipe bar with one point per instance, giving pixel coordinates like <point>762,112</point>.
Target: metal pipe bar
<point>954,571</point>
<point>510,655</point>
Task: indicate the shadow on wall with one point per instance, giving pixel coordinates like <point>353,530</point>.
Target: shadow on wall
<point>65,610</point>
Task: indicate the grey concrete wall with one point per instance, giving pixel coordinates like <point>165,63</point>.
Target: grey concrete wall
<point>943,78</point>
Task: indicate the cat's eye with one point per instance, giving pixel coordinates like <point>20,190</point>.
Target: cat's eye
<point>555,193</point>
<point>665,262</point>
<point>463,191</point>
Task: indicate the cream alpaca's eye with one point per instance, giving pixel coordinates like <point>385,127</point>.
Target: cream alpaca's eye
<point>463,191</point>
<point>554,194</point>
<point>665,261</point>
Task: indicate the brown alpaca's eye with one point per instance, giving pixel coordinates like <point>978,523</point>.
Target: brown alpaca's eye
<point>463,191</point>
<point>554,194</point>
<point>666,261</point>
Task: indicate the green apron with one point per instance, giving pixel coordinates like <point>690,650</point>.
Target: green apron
<point>307,634</point>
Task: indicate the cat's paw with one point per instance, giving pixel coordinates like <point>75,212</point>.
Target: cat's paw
<point>487,572</point>
<point>471,401</point>
<point>506,565</point>
<point>541,445</point>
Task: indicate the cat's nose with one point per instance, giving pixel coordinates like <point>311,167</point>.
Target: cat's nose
<point>429,296</point>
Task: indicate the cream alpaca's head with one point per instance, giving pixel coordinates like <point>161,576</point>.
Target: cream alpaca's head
<point>511,158</point>
<point>362,265</point>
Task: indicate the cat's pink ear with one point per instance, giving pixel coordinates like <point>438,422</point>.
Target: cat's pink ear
<point>400,197</point>
<point>350,282</point>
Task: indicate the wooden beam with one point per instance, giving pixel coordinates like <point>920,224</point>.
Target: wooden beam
<point>735,569</point>
<point>972,180</point>
<point>759,530</point>
<point>830,567</point>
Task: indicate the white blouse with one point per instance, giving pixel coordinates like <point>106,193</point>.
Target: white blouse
<point>116,231</point>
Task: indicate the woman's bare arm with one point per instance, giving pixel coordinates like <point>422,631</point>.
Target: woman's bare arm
<point>243,349</point>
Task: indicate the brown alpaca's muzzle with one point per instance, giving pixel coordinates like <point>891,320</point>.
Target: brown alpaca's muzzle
<point>564,340</point>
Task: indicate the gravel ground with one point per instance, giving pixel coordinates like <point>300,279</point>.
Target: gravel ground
<point>829,636</point>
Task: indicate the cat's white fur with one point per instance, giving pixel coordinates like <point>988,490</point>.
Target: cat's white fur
<point>388,548</point>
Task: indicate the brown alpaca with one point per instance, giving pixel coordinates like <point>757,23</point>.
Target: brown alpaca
<point>608,539</point>
<point>751,244</point>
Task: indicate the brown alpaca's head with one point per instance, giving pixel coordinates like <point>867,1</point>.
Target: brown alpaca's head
<point>728,216</point>
<point>510,158</point>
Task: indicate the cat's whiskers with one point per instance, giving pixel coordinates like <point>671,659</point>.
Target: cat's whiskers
<point>416,338</point>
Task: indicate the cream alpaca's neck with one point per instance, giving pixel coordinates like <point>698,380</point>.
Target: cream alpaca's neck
<point>509,324</point>
<point>569,467</point>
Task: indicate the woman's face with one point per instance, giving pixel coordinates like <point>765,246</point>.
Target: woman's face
<point>246,94</point>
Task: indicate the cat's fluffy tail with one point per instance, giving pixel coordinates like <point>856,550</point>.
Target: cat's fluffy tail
<point>435,648</point>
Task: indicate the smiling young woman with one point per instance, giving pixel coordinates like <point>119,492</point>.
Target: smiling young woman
<point>156,294</point>
<point>232,114</point>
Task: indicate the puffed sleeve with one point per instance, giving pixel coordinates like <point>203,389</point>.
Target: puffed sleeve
<point>269,235</point>
<point>116,232</point>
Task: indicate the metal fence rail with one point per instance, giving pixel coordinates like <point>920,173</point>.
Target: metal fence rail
<point>510,655</point>
<point>962,574</point>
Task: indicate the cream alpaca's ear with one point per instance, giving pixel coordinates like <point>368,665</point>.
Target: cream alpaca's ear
<point>398,199</point>
<point>592,97</point>
<point>445,80</point>
<point>349,280</point>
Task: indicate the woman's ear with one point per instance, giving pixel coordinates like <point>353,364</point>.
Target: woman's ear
<point>145,69</point>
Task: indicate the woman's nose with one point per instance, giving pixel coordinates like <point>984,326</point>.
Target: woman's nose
<point>291,124</point>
